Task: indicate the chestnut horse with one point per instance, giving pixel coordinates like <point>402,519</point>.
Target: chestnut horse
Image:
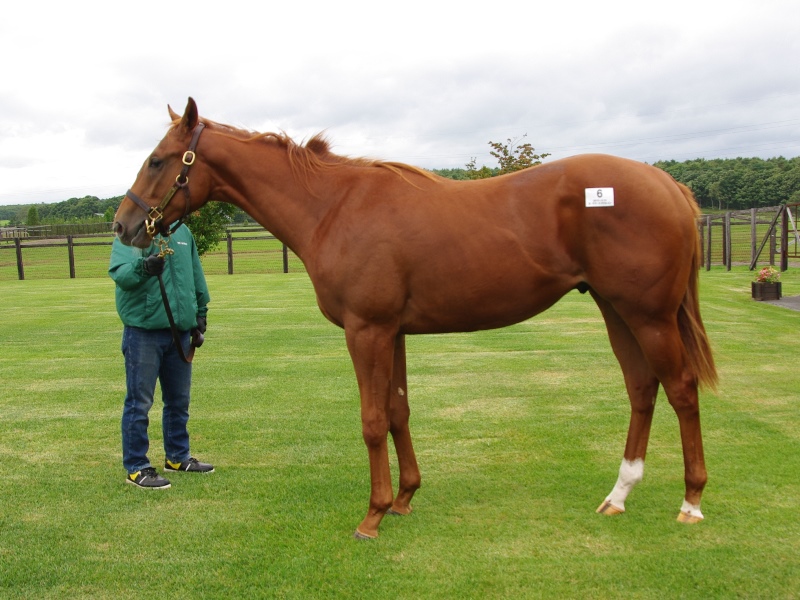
<point>393,250</point>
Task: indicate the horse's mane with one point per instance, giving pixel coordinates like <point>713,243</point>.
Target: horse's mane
<point>315,154</point>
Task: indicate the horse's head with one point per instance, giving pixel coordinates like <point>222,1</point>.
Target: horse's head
<point>163,193</point>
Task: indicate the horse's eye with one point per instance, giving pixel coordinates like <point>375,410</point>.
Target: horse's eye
<point>155,162</point>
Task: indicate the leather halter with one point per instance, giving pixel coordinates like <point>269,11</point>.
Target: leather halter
<point>155,214</point>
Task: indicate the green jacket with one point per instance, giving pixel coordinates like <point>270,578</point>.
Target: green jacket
<point>138,294</point>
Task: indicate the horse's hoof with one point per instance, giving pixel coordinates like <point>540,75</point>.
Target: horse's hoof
<point>608,509</point>
<point>399,511</point>
<point>363,536</point>
<point>690,513</point>
<point>685,517</point>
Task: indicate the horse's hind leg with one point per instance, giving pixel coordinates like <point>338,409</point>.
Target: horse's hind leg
<point>662,354</point>
<point>642,387</point>
<point>662,343</point>
<point>409,480</point>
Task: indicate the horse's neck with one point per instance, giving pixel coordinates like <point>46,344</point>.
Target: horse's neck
<point>262,184</point>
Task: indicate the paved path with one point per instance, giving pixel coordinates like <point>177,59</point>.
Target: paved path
<point>792,302</point>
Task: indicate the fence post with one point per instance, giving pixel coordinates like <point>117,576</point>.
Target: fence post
<point>785,239</point>
<point>71,253</point>
<point>708,243</point>
<point>230,253</point>
<point>20,268</point>
<point>701,231</point>
<point>772,240</point>
<point>753,234</point>
<point>728,246</point>
<point>285,259</point>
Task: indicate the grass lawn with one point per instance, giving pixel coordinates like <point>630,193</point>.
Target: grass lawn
<point>519,433</point>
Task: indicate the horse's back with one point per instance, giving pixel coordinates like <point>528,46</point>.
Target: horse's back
<point>594,219</point>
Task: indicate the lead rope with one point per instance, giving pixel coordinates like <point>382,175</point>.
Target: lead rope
<point>163,251</point>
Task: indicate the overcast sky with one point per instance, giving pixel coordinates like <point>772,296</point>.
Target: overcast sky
<point>84,86</point>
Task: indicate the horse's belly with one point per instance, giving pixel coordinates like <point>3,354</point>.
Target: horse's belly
<point>453,306</point>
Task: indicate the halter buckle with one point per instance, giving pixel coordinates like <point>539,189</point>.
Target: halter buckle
<point>154,215</point>
<point>188,158</point>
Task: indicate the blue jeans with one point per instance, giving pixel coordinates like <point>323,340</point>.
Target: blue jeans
<point>150,356</point>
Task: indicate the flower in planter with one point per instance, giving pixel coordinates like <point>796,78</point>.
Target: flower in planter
<point>768,275</point>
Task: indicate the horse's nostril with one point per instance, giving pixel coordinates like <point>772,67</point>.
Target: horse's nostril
<point>117,228</point>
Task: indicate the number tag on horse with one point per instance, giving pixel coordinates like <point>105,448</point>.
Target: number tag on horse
<point>599,197</point>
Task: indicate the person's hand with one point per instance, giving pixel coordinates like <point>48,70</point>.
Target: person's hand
<point>197,332</point>
<point>202,323</point>
<point>197,337</point>
<point>153,264</point>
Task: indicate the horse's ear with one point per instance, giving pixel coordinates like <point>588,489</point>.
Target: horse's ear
<point>190,116</point>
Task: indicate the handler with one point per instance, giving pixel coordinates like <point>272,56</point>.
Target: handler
<point>150,353</point>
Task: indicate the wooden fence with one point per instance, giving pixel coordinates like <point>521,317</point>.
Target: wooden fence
<point>246,251</point>
<point>767,235</point>
<point>747,237</point>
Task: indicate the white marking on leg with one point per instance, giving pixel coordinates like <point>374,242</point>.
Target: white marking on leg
<point>630,473</point>
<point>693,510</point>
<point>400,392</point>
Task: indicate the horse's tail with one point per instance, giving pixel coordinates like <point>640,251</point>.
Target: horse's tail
<point>690,323</point>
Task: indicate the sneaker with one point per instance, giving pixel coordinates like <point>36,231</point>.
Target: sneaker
<point>148,479</point>
<point>192,465</point>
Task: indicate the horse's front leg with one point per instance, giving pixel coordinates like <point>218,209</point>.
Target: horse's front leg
<point>399,413</point>
<point>372,351</point>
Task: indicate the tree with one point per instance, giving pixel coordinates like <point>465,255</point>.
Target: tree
<point>512,156</point>
<point>515,157</point>
<point>33,217</point>
<point>738,183</point>
<point>457,174</point>
<point>8,213</point>
<point>483,173</point>
<point>208,224</point>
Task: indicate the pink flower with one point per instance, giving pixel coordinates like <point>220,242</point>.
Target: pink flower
<point>768,275</point>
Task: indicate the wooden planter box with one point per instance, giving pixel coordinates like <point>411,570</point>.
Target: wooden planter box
<point>766,291</point>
